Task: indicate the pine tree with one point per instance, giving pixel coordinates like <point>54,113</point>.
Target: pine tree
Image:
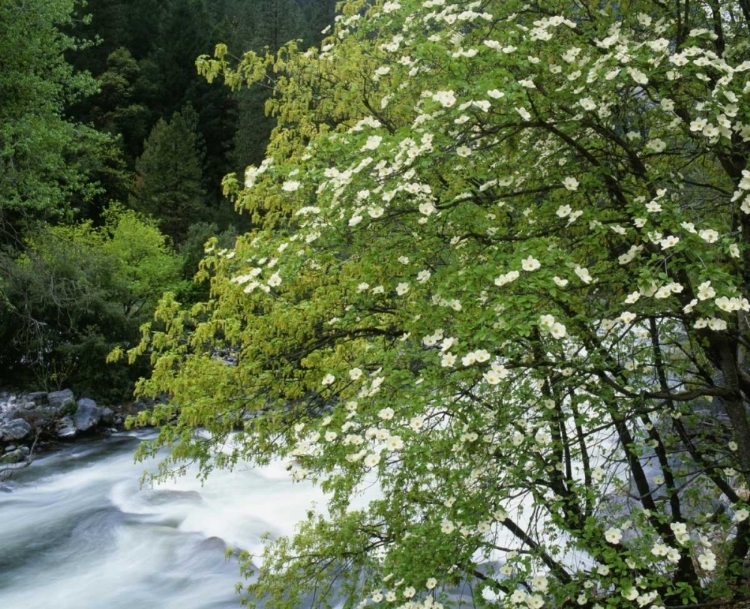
<point>104,24</point>
<point>266,24</point>
<point>169,182</point>
<point>318,15</point>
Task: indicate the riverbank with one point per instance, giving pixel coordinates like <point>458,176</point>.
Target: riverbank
<point>36,422</point>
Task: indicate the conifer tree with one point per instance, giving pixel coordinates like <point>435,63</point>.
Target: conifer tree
<point>169,180</point>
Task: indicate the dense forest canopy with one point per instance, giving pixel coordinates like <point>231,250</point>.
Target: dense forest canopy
<point>500,268</point>
<point>103,114</point>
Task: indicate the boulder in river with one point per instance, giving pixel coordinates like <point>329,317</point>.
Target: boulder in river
<point>17,429</point>
<point>213,544</point>
<point>167,496</point>
<point>87,414</point>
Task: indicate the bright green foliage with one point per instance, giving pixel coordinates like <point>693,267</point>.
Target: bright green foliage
<point>146,265</point>
<point>75,293</point>
<point>170,173</point>
<point>502,270</point>
<point>45,159</point>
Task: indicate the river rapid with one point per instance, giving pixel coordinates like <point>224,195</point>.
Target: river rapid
<point>77,531</point>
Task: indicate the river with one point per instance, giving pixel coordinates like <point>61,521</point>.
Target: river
<point>77,531</point>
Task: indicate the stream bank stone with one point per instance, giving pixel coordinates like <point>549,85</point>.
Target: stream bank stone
<point>60,399</point>
<point>14,456</point>
<point>108,416</point>
<point>87,414</point>
<point>17,429</point>
<point>43,419</point>
<point>39,398</point>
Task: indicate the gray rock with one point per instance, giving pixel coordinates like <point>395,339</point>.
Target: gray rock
<point>66,429</point>
<point>60,399</point>
<point>87,414</point>
<point>169,496</point>
<point>141,405</point>
<point>215,544</point>
<point>8,413</point>
<point>15,456</point>
<point>38,397</point>
<point>10,447</point>
<point>108,416</point>
<point>17,429</point>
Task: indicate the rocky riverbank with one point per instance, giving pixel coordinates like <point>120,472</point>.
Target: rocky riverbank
<point>38,421</point>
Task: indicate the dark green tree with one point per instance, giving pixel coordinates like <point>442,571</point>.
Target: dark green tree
<point>169,181</point>
<point>104,24</point>
<point>143,25</point>
<point>183,35</point>
<point>278,22</point>
<point>257,26</point>
<point>253,128</point>
<point>116,108</point>
<point>318,15</point>
<point>217,110</point>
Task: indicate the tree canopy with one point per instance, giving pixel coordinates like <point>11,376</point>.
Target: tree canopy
<point>74,293</point>
<point>100,104</point>
<point>501,270</point>
<point>46,160</point>
<point>170,175</point>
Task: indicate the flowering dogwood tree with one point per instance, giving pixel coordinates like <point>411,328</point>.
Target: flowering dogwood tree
<point>501,269</point>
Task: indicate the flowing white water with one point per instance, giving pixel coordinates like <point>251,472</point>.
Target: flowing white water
<point>78,532</point>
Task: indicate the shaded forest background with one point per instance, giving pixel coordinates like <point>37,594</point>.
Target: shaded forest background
<point>112,151</point>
